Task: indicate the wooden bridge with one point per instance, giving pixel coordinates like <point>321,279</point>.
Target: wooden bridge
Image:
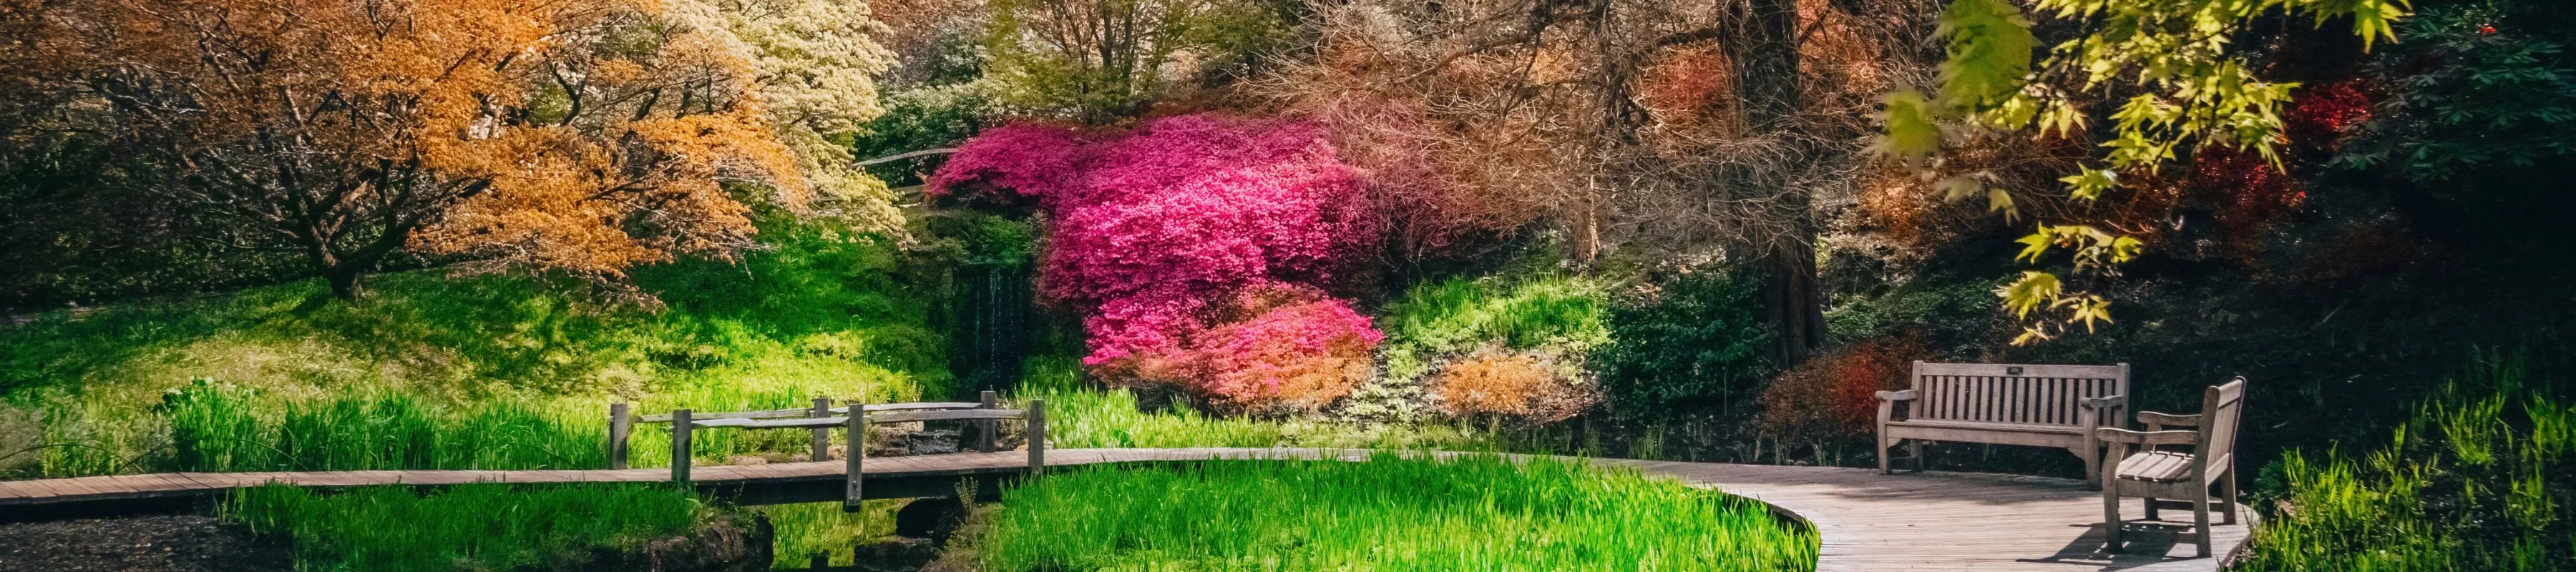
<point>1869,522</point>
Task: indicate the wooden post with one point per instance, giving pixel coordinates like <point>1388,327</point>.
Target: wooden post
<point>618,425</point>
<point>858,457</point>
<point>1037,437</point>
<point>680,446</point>
<point>822,435</point>
<point>985,438</point>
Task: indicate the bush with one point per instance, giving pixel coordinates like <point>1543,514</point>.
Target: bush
<point>1150,229</point>
<point>1514,385</point>
<point>2479,479</point>
<point>1297,351</point>
<point>1834,396</point>
<point>1695,337</point>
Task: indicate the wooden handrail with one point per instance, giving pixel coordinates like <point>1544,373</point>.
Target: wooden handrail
<point>803,412</point>
<point>621,422</point>
<point>855,417</point>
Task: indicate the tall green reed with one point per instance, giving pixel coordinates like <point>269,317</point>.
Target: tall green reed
<point>1390,513</point>
<point>465,527</point>
<point>2479,480</point>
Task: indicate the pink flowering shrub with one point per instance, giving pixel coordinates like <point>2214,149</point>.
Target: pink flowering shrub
<point>1296,350</point>
<point>1154,233</point>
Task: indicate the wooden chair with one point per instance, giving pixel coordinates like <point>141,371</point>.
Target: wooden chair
<point>2004,404</point>
<point>2207,458</point>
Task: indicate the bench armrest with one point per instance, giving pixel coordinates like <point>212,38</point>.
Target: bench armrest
<point>2157,421</point>
<point>2114,435</point>
<point>2104,402</point>
<point>1888,402</point>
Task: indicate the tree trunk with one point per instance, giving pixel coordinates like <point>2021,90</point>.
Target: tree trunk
<point>1766,62</point>
<point>1796,305</point>
<point>347,281</point>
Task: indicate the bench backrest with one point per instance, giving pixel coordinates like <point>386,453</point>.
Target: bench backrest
<point>2027,394</point>
<point>2221,408</point>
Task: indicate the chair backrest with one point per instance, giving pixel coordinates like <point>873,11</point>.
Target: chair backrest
<point>2029,394</point>
<point>2222,407</point>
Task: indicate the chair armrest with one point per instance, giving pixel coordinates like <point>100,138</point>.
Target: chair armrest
<point>1897,395</point>
<point>2154,419</point>
<point>2115,435</point>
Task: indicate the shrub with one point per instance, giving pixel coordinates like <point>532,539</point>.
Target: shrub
<point>1696,336</point>
<point>1518,385</point>
<point>1834,395</point>
<point>1150,227</point>
<point>2479,479</point>
<point>1297,351</point>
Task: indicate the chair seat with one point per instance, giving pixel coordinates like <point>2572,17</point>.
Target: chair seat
<point>2156,467</point>
<point>1989,426</point>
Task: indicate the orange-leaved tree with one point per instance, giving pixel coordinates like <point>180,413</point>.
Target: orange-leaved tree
<point>578,135</point>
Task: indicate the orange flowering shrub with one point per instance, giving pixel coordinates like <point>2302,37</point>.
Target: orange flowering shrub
<point>1834,394</point>
<point>1512,384</point>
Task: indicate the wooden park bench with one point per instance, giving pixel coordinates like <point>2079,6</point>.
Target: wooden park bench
<point>2161,474</point>
<point>2004,404</point>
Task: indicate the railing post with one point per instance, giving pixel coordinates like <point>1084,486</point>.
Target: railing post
<point>822,435</point>
<point>984,438</point>
<point>680,446</point>
<point>618,426</point>
<point>858,457</point>
<point>1037,437</point>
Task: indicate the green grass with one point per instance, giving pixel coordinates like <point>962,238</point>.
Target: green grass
<point>468,527</point>
<point>1391,513</point>
<point>2479,480</point>
<point>527,365</point>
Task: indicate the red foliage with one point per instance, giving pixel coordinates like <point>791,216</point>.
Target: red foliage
<point>1296,350</point>
<point>2319,115</point>
<point>1154,229</point>
<point>2246,192</point>
<point>1835,393</point>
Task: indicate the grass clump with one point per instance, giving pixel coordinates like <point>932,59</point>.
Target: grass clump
<point>1390,513</point>
<point>2478,480</point>
<point>465,527</point>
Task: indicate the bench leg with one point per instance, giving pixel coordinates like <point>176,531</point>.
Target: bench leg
<point>2228,489</point>
<point>1882,452</point>
<point>2110,520</point>
<point>2092,458</point>
<point>1915,448</point>
<point>2200,521</point>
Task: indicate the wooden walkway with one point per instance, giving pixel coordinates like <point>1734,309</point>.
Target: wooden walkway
<point>1868,522</point>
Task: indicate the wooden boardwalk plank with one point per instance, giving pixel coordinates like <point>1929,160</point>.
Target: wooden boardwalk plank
<point>1868,521</point>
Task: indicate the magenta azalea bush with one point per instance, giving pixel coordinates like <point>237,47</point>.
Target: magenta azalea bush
<point>1154,233</point>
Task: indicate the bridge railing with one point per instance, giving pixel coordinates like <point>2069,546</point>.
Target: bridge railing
<point>855,418</point>
<point>622,421</point>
